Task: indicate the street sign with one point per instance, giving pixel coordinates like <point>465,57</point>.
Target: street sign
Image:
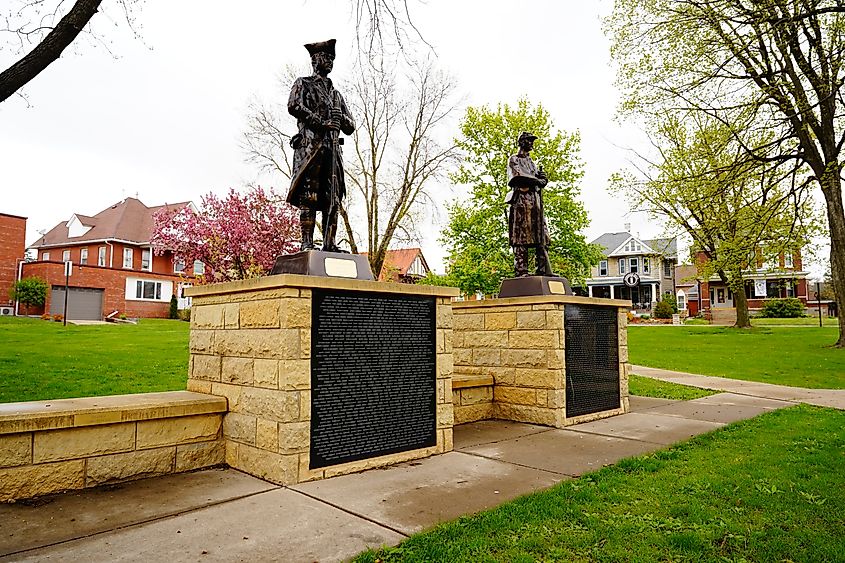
<point>68,268</point>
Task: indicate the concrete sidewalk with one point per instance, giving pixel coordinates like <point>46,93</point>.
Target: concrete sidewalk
<point>225,515</point>
<point>820,397</point>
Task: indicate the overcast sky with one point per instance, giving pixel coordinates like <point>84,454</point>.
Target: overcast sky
<point>161,117</point>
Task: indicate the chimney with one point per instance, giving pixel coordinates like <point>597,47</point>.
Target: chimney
<point>627,227</point>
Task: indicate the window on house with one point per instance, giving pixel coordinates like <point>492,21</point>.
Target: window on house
<point>682,301</point>
<point>83,256</point>
<point>199,268</point>
<point>667,269</point>
<point>790,288</point>
<point>178,266</point>
<point>621,266</point>
<point>148,290</point>
<point>146,263</point>
<point>45,255</point>
<point>788,260</point>
<point>101,256</point>
<point>635,265</point>
<point>772,289</point>
<point>633,246</point>
<point>127,257</point>
<point>646,266</point>
<point>65,255</point>
<point>603,268</point>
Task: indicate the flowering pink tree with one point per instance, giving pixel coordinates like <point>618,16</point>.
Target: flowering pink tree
<point>236,237</point>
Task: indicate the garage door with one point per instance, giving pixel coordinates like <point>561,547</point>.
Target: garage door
<point>83,303</point>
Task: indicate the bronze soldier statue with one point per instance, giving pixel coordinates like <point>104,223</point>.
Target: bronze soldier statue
<point>526,221</point>
<point>317,182</point>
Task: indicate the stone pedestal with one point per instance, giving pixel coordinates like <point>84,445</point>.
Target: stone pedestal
<point>253,342</point>
<point>538,349</point>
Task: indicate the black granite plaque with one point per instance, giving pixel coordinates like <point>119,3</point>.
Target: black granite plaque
<point>373,375</point>
<point>592,359</point>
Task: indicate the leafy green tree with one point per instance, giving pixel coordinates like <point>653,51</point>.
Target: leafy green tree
<point>782,62</point>
<point>31,292</point>
<point>477,233</point>
<point>731,205</point>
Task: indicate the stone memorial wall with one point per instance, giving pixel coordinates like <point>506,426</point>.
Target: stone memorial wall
<point>287,367</point>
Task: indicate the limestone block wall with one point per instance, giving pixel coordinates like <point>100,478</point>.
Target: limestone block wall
<point>520,344</point>
<point>251,343</point>
<point>472,397</point>
<point>52,446</point>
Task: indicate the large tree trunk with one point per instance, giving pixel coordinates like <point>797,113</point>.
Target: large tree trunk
<point>16,76</point>
<point>743,320</point>
<point>832,189</point>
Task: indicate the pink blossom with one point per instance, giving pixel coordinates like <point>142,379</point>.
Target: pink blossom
<point>236,238</point>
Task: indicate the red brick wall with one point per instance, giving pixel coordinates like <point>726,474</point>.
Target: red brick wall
<point>12,249</point>
<point>112,280</point>
<point>161,264</point>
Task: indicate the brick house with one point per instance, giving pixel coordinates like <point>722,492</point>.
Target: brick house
<point>648,264</point>
<point>779,278</point>
<point>403,265</point>
<point>114,266</point>
<point>12,251</point>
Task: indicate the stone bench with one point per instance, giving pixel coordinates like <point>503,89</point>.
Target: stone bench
<point>65,444</point>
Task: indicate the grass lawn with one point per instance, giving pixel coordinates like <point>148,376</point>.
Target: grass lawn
<point>786,356</point>
<point>45,360</point>
<point>765,489</point>
<point>648,387</point>
<point>800,321</point>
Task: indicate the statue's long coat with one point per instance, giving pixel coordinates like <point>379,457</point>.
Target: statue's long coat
<point>526,222</point>
<point>310,102</point>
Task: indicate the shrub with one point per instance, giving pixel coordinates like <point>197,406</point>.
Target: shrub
<point>789,308</point>
<point>185,314</point>
<point>645,317</point>
<point>58,318</point>
<point>174,308</point>
<point>46,317</point>
<point>663,310</point>
<point>30,292</point>
<point>672,300</point>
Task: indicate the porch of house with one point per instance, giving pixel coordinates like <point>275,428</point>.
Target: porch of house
<point>642,296</point>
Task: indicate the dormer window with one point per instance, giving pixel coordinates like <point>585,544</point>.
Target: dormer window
<point>633,246</point>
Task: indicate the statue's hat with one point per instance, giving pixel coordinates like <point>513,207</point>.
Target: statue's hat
<point>525,135</point>
<point>321,47</point>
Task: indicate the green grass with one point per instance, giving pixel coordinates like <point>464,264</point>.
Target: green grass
<point>799,357</point>
<point>766,489</point>
<point>648,387</point>
<point>45,360</point>
<point>800,321</point>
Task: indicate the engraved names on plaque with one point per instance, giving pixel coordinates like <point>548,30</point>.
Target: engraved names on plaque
<point>373,378</point>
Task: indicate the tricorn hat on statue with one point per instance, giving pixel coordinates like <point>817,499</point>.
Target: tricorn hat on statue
<point>525,135</point>
<point>321,47</point>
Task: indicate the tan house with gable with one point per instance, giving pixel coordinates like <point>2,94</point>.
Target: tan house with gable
<point>633,268</point>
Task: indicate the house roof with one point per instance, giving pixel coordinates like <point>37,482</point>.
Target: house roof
<point>402,258</point>
<point>686,274</point>
<point>611,241</point>
<point>129,220</point>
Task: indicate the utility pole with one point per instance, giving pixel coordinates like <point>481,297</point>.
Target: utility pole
<point>68,268</point>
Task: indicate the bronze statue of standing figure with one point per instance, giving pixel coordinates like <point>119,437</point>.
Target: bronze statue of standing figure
<point>317,181</point>
<point>526,221</point>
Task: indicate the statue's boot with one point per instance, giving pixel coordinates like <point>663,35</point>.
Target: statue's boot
<point>307,221</point>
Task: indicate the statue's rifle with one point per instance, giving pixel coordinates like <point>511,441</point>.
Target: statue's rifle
<point>542,249</point>
<point>334,197</point>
